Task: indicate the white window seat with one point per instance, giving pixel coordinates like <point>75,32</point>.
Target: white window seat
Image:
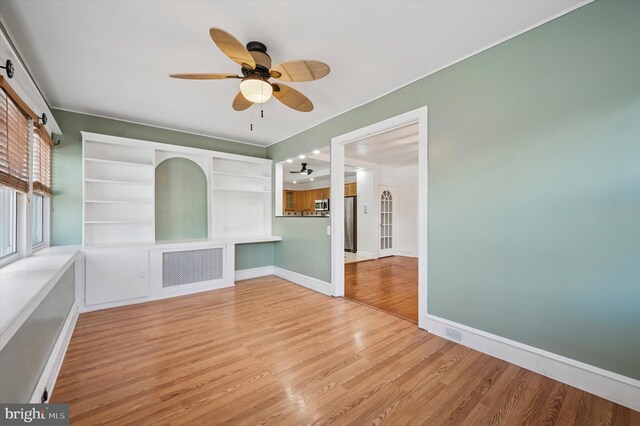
<point>26,282</point>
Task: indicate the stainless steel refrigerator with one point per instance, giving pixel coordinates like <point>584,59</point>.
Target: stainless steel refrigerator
<point>350,224</point>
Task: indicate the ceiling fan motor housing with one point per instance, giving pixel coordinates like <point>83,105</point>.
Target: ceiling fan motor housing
<point>263,61</point>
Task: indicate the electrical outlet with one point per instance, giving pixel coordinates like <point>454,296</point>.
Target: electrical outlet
<point>454,334</point>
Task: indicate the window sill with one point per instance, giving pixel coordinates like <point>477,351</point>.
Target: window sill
<point>9,259</point>
<point>26,282</point>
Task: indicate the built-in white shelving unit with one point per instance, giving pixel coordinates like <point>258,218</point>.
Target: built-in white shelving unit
<point>119,190</point>
<point>241,196</point>
<point>123,261</point>
<point>118,193</point>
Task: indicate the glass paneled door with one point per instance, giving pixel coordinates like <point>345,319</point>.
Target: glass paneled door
<point>386,198</point>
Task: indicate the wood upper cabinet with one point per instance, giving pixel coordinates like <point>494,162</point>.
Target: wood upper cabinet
<point>322,193</point>
<point>299,200</point>
<point>289,200</point>
<point>310,200</point>
<point>350,189</point>
<point>294,200</point>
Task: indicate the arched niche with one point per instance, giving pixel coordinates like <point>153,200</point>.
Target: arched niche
<point>181,200</point>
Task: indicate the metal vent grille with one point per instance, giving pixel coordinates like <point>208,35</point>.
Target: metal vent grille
<point>191,266</point>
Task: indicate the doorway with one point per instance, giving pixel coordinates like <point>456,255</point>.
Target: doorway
<point>379,281</point>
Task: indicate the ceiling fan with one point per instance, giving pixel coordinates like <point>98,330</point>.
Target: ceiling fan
<point>304,170</point>
<point>257,70</point>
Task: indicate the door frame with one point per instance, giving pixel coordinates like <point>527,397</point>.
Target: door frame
<point>378,211</point>
<point>419,116</point>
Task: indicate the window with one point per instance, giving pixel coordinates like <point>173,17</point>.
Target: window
<point>42,144</point>
<point>37,223</point>
<point>25,177</point>
<point>14,142</point>
<point>8,222</point>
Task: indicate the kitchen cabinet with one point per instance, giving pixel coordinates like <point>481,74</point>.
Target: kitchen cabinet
<point>299,201</point>
<point>310,200</point>
<point>294,200</point>
<point>322,193</point>
<point>350,189</point>
<point>288,197</point>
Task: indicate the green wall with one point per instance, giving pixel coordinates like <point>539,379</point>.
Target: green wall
<point>181,200</point>
<point>534,187</point>
<point>66,217</point>
<point>23,358</point>
<point>249,256</point>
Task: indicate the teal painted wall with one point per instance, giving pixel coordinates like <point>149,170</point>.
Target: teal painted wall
<point>66,217</point>
<point>250,256</point>
<point>181,200</point>
<point>534,187</point>
<point>23,358</point>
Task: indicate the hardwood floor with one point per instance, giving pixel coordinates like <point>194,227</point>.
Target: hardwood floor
<point>389,283</point>
<point>271,352</point>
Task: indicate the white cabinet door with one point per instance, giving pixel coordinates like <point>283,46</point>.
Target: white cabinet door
<point>116,274</point>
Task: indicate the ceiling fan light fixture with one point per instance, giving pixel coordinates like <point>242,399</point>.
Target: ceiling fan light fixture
<point>256,90</point>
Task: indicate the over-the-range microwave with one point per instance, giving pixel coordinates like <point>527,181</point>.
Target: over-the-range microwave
<point>322,205</point>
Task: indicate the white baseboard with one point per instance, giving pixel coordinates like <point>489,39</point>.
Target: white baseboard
<point>606,384</point>
<point>303,280</point>
<point>365,254</point>
<point>246,274</point>
<point>164,294</point>
<point>52,367</point>
<point>406,253</point>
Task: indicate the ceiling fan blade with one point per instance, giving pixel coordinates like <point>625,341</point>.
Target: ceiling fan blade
<point>292,98</point>
<point>204,76</point>
<point>231,47</point>
<point>304,70</point>
<point>240,103</point>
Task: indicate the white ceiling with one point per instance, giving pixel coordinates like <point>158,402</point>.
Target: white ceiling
<point>395,148</point>
<point>112,58</point>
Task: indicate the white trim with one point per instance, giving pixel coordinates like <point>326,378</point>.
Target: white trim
<point>365,254</point>
<point>419,116</point>
<point>606,384</point>
<point>167,147</point>
<point>187,290</point>
<point>160,127</point>
<point>406,253</point>
<point>246,274</point>
<point>502,40</point>
<point>303,280</point>
<point>52,367</point>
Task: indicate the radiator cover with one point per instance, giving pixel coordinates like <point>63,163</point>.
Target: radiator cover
<point>192,266</point>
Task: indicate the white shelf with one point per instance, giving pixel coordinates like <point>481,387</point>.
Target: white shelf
<point>118,162</point>
<point>118,202</point>
<point>116,222</point>
<point>241,175</point>
<point>117,182</point>
<point>241,190</point>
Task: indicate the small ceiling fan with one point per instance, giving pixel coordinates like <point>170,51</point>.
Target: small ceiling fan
<point>257,70</point>
<point>304,170</point>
